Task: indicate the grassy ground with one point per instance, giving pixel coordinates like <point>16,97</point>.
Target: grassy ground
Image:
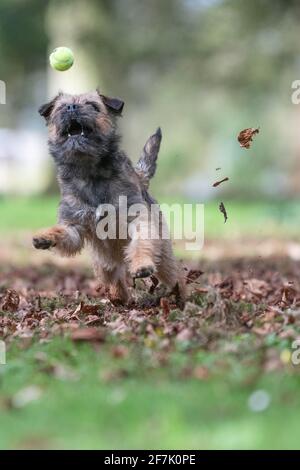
<point>147,409</point>
<point>150,376</point>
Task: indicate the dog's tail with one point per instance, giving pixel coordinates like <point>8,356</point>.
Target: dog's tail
<point>146,165</point>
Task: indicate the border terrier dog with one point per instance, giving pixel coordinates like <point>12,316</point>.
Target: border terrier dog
<point>92,171</point>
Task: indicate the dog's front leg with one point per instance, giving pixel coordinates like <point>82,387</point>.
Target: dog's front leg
<point>68,240</point>
<point>142,251</point>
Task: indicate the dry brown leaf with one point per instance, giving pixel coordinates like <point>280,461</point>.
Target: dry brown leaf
<point>193,275</point>
<point>217,183</point>
<point>88,334</point>
<point>92,319</point>
<point>10,301</point>
<point>288,295</point>
<point>86,309</point>
<point>257,287</point>
<point>245,136</point>
<point>223,210</point>
<point>165,306</point>
<point>200,290</point>
<point>154,284</point>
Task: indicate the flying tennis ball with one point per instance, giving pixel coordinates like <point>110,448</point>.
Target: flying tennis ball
<point>61,59</point>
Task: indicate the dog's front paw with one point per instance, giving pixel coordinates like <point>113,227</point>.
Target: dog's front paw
<point>41,243</point>
<point>144,271</point>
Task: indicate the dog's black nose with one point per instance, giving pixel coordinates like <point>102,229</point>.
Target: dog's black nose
<point>72,107</point>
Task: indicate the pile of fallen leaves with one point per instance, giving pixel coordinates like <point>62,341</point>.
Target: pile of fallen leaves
<point>261,297</point>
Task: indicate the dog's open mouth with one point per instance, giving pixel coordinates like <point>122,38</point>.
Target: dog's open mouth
<point>76,128</point>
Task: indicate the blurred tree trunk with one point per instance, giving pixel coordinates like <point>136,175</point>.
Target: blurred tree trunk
<point>67,23</point>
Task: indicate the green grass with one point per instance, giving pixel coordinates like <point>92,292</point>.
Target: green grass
<point>257,219</point>
<point>19,214</point>
<point>147,409</point>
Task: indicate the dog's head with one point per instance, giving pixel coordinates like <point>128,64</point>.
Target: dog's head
<point>81,124</point>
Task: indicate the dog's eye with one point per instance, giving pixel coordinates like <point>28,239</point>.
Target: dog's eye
<point>95,106</point>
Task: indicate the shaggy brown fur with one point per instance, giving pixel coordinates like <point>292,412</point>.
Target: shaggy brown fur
<point>93,171</point>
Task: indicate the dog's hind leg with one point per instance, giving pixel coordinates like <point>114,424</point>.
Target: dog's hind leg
<point>113,277</point>
<point>170,273</point>
<point>115,281</point>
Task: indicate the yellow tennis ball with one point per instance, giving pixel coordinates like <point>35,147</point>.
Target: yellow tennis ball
<point>285,356</point>
<point>61,59</point>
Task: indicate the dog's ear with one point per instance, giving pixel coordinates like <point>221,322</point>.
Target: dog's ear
<point>46,109</point>
<point>114,104</point>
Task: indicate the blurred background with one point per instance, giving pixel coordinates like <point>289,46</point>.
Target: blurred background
<point>201,69</point>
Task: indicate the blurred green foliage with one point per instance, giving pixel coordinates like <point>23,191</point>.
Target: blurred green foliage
<point>202,69</point>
